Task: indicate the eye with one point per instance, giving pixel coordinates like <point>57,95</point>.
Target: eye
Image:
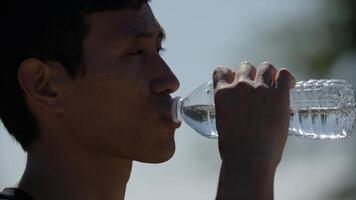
<point>160,50</point>
<point>136,52</point>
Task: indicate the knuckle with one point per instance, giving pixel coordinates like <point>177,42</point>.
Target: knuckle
<point>220,70</point>
<point>285,77</point>
<point>266,63</point>
<point>245,63</point>
<point>284,72</point>
<point>246,66</point>
<point>266,66</point>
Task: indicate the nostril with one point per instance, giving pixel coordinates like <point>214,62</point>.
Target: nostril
<point>164,86</point>
<point>175,86</point>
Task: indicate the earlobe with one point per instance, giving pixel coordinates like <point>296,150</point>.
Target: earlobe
<point>34,79</point>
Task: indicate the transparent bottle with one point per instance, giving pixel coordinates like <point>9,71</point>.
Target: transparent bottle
<point>320,109</point>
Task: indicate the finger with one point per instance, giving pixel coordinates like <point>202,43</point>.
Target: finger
<point>266,74</point>
<point>284,80</point>
<point>222,77</point>
<point>245,71</point>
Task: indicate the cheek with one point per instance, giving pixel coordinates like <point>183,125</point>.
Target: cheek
<point>107,108</point>
<point>99,125</point>
<point>123,121</point>
<point>112,107</point>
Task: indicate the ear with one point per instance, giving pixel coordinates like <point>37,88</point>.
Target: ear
<point>36,80</point>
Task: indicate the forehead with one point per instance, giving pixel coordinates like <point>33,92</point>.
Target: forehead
<point>123,23</point>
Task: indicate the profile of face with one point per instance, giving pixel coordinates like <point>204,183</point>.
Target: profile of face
<point>120,107</point>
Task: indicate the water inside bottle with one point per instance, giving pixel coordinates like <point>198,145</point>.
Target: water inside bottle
<point>322,123</point>
<point>201,118</point>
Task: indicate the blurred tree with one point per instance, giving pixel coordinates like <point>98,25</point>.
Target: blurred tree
<point>340,24</point>
<point>314,43</point>
<point>332,36</point>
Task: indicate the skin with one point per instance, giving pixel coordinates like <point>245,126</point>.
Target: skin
<point>252,116</point>
<point>94,127</point>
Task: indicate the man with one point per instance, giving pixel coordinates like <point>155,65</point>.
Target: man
<point>86,93</point>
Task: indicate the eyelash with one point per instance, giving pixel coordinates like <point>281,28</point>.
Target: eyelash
<point>136,53</point>
<point>141,51</point>
<point>160,50</point>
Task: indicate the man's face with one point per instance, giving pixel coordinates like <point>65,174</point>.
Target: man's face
<point>120,106</point>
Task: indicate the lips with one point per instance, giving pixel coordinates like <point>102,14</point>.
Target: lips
<point>167,116</point>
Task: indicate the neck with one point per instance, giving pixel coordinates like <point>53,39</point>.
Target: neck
<point>68,174</point>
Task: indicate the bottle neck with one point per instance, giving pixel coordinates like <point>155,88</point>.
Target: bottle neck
<point>176,109</point>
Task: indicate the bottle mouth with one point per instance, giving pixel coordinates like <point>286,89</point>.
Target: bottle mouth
<point>176,106</point>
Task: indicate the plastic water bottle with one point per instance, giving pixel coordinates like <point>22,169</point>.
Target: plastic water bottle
<point>320,109</point>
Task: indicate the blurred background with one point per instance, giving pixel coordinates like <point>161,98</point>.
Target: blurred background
<point>314,39</point>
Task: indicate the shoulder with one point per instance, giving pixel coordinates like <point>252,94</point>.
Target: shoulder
<point>4,196</point>
<point>14,194</point>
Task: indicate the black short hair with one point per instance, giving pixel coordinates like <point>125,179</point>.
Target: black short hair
<point>49,31</point>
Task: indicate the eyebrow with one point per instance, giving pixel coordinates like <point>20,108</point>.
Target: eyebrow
<point>138,33</point>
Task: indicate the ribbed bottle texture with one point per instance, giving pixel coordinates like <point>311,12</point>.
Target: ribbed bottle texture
<point>320,109</point>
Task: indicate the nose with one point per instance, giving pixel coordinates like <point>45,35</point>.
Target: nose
<point>165,80</point>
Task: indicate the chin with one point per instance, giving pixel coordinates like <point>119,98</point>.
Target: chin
<point>158,156</point>
<point>163,158</point>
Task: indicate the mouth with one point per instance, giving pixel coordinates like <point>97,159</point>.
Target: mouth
<point>167,116</point>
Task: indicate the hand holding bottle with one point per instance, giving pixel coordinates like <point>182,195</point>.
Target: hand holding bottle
<point>252,116</point>
<point>252,109</point>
